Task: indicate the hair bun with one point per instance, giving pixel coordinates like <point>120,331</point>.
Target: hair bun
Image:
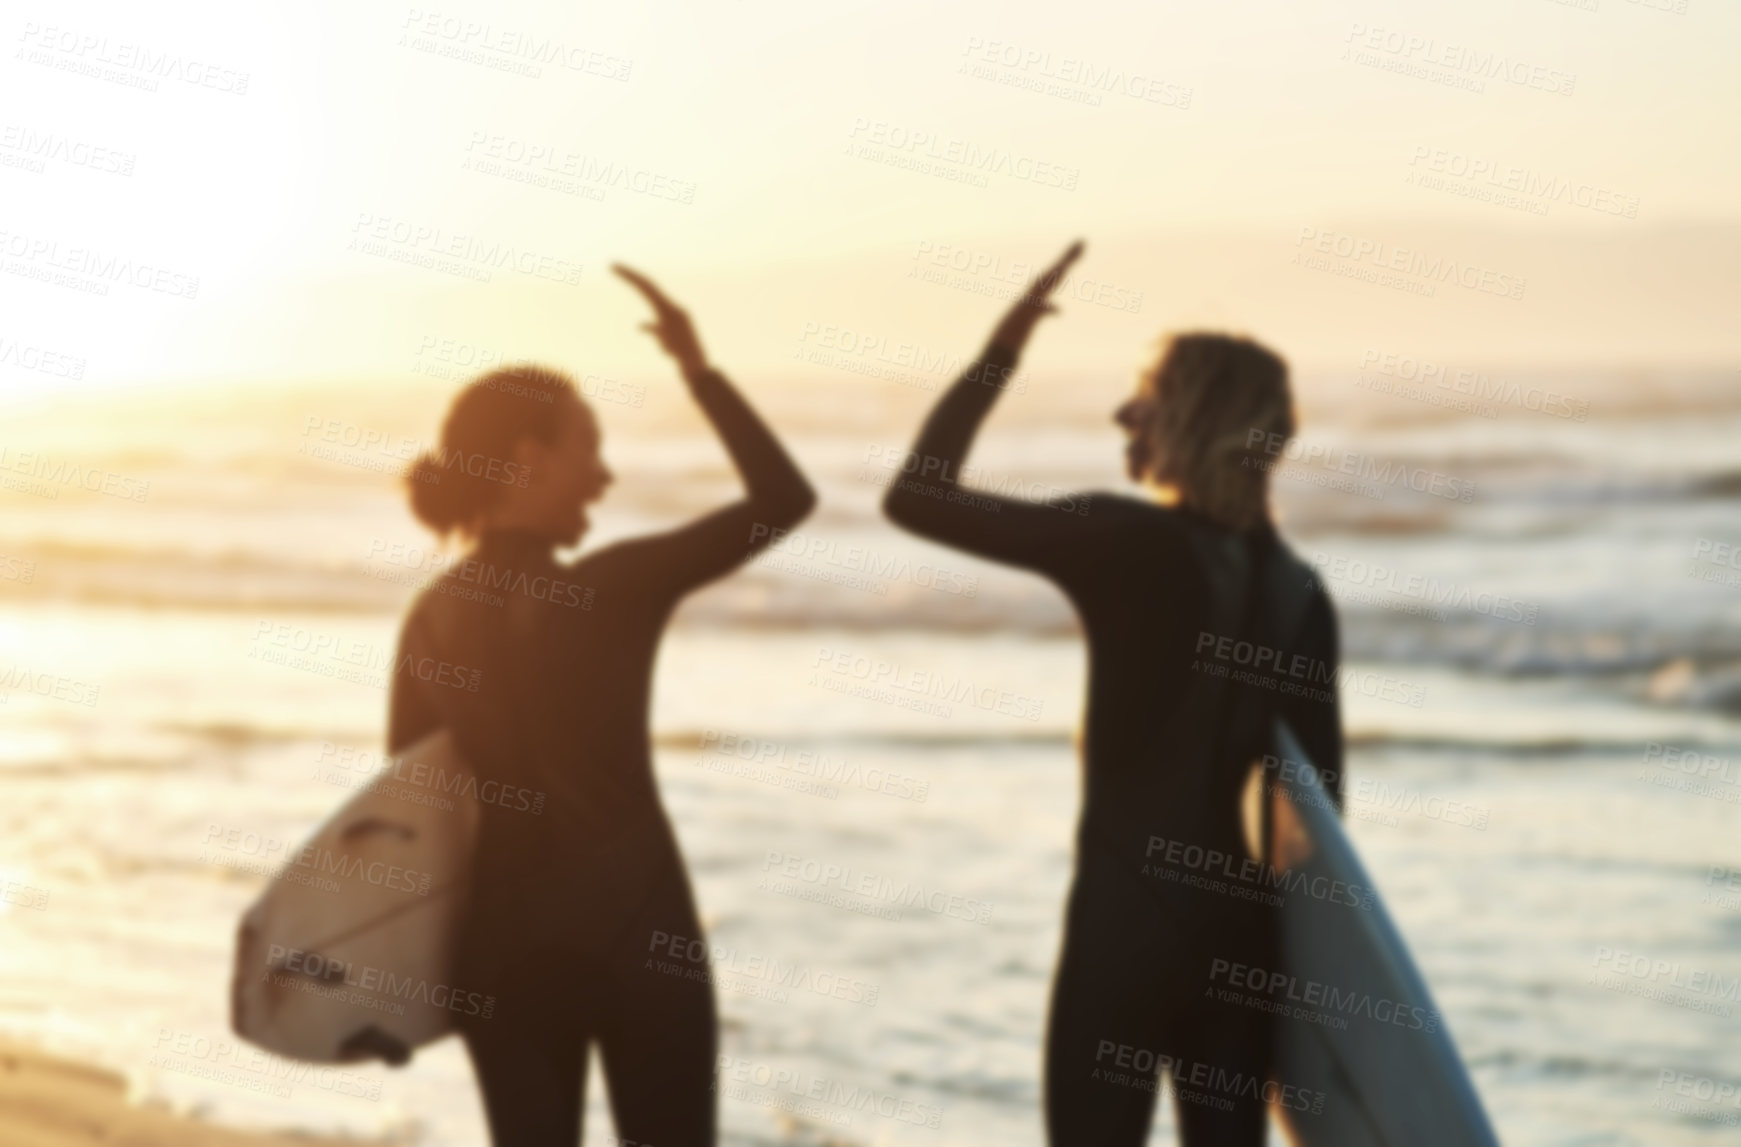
<point>441,501</point>
<point>487,418</point>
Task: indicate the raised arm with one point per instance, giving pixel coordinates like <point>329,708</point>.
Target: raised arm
<point>778,496</point>
<point>410,716</point>
<point>931,501</point>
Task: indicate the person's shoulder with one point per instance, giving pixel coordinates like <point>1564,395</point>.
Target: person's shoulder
<point>1164,532</point>
<point>1300,573</point>
<point>447,603</point>
<point>432,611</point>
<point>1109,501</point>
<point>625,572</point>
<point>1290,559</point>
<point>1113,506</point>
<point>414,628</point>
<point>614,560</point>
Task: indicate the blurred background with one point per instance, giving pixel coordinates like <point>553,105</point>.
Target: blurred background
<point>250,253</point>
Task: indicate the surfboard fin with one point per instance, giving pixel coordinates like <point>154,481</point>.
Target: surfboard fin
<point>373,1043</point>
<point>374,824</point>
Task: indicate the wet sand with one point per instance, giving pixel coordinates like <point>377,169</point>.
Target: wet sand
<point>46,1101</point>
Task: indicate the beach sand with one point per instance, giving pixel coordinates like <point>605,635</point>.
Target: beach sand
<point>46,1101</point>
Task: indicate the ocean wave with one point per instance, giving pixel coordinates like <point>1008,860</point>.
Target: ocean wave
<point>1557,637</point>
<point>702,739</point>
<point>1691,683</point>
<point>154,577</point>
<point>1512,744</point>
<point>233,735</point>
<point>90,763</point>
<point>1722,484</point>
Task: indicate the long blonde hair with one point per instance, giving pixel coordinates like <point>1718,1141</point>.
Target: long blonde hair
<point>1222,411</point>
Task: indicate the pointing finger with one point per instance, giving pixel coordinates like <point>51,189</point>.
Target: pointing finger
<point>1049,278</point>
<point>644,285</point>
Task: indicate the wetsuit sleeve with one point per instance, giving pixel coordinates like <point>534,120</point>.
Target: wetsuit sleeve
<point>1330,735</point>
<point>410,716</point>
<point>777,498</point>
<point>931,501</point>
<point>1318,723</point>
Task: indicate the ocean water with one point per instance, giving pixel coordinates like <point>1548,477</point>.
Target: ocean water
<point>1552,824</point>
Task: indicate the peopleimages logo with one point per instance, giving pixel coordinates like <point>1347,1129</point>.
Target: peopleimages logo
<point>1391,49</point>
<point>1291,990</point>
<point>30,356</point>
<point>190,1053</point>
<point>983,272</point>
<point>24,147</point>
<point>319,862</point>
<point>379,769</point>
<point>930,468</point>
<point>23,895</point>
<point>935,153</point>
<point>335,655</point>
<point>1144,1063</point>
<point>919,689</point>
<point>1402,373</point>
<point>1524,181</point>
<point>1364,466</point>
<point>800,1086</point>
<point>373,448</point>
<point>704,961</point>
<point>861,567</point>
<point>804,769</point>
<point>1430,591</point>
<point>901,894</point>
<point>1270,668</point>
<point>440,249</point>
<point>359,983</point>
<point>1196,858</point>
<point>908,363</point>
<point>1418,268</point>
<point>1692,762</point>
<point>1700,1087</point>
<point>1659,975</point>
<point>49,475</point>
<point>1297,779</point>
<point>140,65</point>
<point>513,50</point>
<point>89,269</point>
<point>1079,80</point>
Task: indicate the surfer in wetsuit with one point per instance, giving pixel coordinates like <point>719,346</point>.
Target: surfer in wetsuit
<point>1176,593</point>
<point>578,917</point>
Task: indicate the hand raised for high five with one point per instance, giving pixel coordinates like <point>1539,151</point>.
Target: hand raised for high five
<point>1034,303</point>
<point>670,325</point>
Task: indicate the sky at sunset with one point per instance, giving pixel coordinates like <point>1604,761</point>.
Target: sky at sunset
<point>323,191</point>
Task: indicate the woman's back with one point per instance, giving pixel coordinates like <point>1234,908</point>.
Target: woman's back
<point>542,671</point>
<point>1178,694</point>
<point>1202,628</point>
<point>1178,698</point>
<point>563,658</point>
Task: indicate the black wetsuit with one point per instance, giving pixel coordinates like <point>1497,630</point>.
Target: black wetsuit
<point>578,884</point>
<point>1166,748</point>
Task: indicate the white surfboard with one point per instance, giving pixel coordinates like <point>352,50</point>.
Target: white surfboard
<point>346,955</point>
<point>1391,1077</point>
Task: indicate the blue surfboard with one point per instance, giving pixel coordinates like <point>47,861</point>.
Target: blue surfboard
<point>1364,1033</point>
